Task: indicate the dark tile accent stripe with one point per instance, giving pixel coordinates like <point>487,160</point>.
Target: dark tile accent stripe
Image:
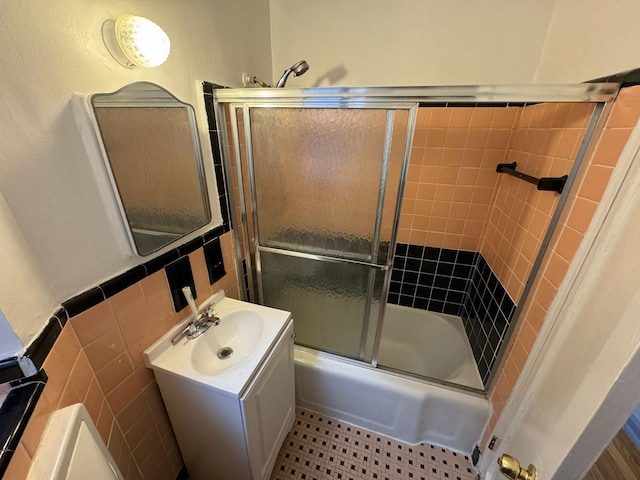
<point>215,233</point>
<point>62,316</point>
<point>84,301</point>
<point>179,275</point>
<point>428,278</point>
<point>42,345</point>
<point>10,370</point>
<point>122,281</point>
<point>158,263</point>
<point>191,246</point>
<point>456,282</point>
<point>486,316</point>
<point>630,78</point>
<point>111,287</point>
<point>15,413</point>
<point>213,257</point>
<point>221,182</point>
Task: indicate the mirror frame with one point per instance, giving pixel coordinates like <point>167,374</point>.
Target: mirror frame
<point>139,94</point>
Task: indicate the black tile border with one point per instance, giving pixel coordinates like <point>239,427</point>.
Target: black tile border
<point>455,282</point>
<point>156,264</point>
<point>629,78</point>
<point>42,345</point>
<point>180,275</point>
<point>10,370</point>
<point>213,257</point>
<point>216,153</point>
<point>429,278</point>
<point>84,301</point>
<point>93,296</point>
<point>15,414</point>
<point>115,285</point>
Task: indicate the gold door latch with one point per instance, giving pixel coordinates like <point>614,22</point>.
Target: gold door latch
<point>510,468</point>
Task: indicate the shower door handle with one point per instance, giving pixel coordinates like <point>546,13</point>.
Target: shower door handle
<point>324,258</point>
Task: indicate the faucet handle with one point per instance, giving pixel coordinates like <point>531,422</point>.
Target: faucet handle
<point>209,315</point>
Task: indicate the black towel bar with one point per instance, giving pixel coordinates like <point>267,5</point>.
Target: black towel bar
<point>552,184</point>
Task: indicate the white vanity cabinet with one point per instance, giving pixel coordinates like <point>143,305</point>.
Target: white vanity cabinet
<point>268,407</point>
<point>231,433</point>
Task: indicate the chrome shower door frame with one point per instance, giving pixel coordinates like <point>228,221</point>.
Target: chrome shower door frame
<point>410,98</point>
<point>373,263</point>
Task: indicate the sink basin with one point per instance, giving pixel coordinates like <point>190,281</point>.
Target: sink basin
<point>227,344</point>
<point>226,356</point>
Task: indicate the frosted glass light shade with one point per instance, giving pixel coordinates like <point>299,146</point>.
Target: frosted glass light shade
<point>136,41</point>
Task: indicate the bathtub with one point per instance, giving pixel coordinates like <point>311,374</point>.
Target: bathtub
<point>428,344</point>
<point>408,410</point>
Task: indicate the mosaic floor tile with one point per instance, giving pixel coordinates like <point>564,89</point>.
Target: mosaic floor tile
<point>319,447</point>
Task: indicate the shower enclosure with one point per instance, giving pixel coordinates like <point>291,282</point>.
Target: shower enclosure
<point>393,223</point>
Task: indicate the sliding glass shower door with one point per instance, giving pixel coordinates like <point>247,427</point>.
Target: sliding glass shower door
<point>324,190</point>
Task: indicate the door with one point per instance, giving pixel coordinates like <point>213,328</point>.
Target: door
<point>325,186</point>
<point>587,358</point>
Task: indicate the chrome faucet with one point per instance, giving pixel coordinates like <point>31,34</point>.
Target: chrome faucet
<point>200,322</point>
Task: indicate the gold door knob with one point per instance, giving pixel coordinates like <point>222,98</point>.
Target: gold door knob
<point>510,468</point>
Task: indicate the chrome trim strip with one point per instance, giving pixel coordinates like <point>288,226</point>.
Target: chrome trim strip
<point>241,199</point>
<point>582,92</point>
<point>254,202</point>
<point>596,124</point>
<point>322,258</point>
<point>235,224</point>
<point>375,246</point>
<point>408,143</point>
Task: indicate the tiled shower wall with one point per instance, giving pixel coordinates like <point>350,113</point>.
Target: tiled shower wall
<point>456,201</point>
<point>97,360</point>
<point>452,174</point>
<point>561,251</point>
<point>455,282</point>
<point>544,143</point>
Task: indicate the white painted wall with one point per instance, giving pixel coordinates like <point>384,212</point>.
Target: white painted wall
<point>55,230</point>
<point>409,42</point>
<point>589,39</point>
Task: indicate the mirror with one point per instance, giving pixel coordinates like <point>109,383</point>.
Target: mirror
<point>149,140</point>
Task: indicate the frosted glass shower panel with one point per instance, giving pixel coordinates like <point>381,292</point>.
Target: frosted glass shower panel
<point>328,300</point>
<point>317,178</point>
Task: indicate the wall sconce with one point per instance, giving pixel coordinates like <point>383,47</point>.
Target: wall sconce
<point>136,41</point>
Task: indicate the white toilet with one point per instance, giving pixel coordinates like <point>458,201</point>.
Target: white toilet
<point>71,449</point>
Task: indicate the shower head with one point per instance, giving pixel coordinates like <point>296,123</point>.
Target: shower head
<point>297,69</point>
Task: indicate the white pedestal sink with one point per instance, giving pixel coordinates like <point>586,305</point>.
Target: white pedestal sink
<point>230,392</point>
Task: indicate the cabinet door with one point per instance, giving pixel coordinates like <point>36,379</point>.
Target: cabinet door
<point>269,407</point>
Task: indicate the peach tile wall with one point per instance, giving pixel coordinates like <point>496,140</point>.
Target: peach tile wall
<point>569,234</point>
<point>97,360</point>
<point>452,177</point>
<point>545,142</point>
